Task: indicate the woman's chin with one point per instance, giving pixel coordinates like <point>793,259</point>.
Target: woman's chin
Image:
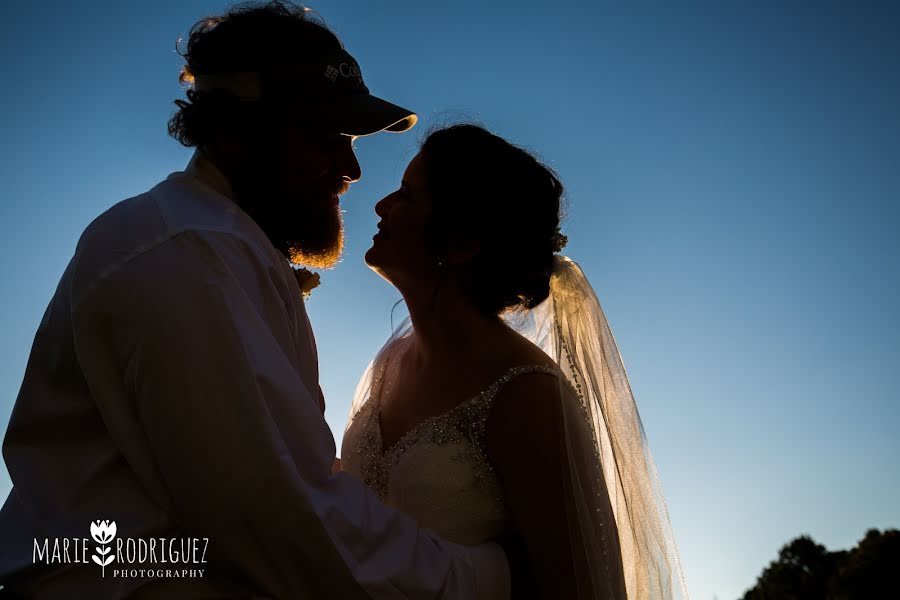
<point>371,257</point>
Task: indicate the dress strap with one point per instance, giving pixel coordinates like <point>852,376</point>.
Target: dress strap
<point>481,408</point>
<point>492,390</point>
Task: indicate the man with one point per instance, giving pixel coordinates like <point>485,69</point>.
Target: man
<point>173,388</point>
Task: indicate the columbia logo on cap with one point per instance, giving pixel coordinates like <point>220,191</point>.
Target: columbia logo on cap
<point>345,69</point>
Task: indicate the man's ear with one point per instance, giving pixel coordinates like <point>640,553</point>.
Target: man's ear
<point>232,139</point>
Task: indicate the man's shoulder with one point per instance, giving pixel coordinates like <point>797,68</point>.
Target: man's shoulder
<point>179,208</point>
<point>177,204</point>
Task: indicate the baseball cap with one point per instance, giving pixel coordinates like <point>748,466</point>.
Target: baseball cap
<point>330,87</point>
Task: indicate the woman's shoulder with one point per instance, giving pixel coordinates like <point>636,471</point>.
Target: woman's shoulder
<point>515,350</point>
<point>524,424</point>
<point>530,390</point>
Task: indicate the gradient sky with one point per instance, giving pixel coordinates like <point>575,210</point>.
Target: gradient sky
<point>733,173</point>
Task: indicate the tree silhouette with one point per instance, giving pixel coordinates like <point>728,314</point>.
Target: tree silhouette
<point>805,570</point>
<point>871,569</point>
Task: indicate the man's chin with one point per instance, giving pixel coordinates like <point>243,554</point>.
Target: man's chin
<point>326,258</point>
<point>319,241</point>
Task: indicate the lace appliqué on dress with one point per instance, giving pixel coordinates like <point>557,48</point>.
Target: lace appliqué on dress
<point>464,422</point>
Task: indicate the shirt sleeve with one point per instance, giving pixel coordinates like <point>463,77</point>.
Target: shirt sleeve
<point>186,341</point>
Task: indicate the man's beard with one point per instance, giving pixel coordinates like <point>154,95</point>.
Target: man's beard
<point>317,240</point>
<point>309,230</point>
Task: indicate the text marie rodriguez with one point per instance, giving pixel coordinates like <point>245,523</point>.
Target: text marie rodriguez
<point>147,554</point>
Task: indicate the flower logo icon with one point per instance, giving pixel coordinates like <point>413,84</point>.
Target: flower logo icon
<point>103,532</point>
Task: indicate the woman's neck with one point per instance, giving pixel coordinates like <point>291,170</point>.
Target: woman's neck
<point>446,326</point>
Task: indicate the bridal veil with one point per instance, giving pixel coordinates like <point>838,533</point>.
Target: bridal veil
<point>572,328</point>
<point>606,449</point>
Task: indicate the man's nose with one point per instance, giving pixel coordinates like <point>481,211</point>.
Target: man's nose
<point>350,170</point>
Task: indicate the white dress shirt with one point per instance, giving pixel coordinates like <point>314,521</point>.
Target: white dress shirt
<point>173,387</point>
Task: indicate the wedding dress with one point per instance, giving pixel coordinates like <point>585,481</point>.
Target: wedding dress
<point>439,473</point>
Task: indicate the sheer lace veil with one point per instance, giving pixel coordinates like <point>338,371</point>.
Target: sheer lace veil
<point>606,451</point>
<point>612,457</point>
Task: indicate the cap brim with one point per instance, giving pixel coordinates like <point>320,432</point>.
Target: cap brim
<point>364,114</point>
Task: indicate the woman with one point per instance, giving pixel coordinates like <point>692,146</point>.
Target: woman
<point>501,406</point>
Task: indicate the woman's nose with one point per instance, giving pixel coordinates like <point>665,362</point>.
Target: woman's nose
<point>381,207</point>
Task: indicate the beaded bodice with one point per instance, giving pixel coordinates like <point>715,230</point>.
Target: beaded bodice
<point>438,471</point>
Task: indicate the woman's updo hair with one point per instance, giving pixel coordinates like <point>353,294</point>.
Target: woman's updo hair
<point>487,190</point>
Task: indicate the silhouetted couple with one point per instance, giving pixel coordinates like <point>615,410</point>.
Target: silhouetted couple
<point>172,399</point>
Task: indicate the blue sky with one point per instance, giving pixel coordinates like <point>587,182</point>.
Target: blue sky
<point>732,172</point>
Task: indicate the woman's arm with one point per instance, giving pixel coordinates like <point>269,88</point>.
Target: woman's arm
<point>525,441</point>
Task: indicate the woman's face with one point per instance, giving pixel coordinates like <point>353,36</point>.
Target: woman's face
<point>400,252</point>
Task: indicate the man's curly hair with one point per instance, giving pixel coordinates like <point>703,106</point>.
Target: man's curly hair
<point>250,37</point>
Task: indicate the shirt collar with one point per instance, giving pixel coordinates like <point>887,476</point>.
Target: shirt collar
<point>208,173</point>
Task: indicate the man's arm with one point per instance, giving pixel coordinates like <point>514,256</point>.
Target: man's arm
<point>238,440</point>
